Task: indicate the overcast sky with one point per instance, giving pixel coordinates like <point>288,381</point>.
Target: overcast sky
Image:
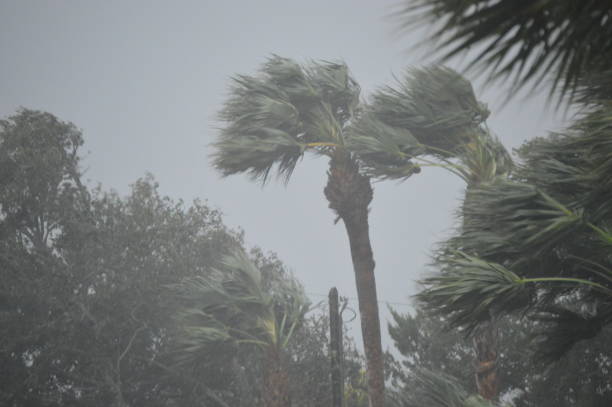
<point>144,80</point>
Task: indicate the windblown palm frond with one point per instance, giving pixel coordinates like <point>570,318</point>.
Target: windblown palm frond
<point>385,152</point>
<point>515,221</point>
<point>595,89</point>
<point>484,159</point>
<point>469,290</point>
<point>523,40</point>
<point>538,241</point>
<point>433,111</point>
<point>273,117</point>
<point>229,306</point>
<point>575,167</point>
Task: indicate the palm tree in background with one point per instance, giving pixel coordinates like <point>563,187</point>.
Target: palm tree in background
<point>232,307</point>
<point>539,242</point>
<point>480,163</point>
<point>523,41</point>
<point>272,119</point>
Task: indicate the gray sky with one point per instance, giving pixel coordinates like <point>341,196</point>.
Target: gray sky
<point>144,80</point>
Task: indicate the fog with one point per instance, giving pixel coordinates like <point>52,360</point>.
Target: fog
<point>144,81</point>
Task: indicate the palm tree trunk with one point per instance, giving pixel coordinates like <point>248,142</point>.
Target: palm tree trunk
<point>275,380</point>
<point>349,194</point>
<point>485,346</point>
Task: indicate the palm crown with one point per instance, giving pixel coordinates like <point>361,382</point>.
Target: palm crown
<point>230,306</point>
<point>273,118</point>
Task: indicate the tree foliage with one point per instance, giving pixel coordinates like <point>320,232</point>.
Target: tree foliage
<point>274,117</point>
<point>229,307</point>
<point>538,242</point>
<point>426,344</point>
<point>86,309</point>
<point>521,41</point>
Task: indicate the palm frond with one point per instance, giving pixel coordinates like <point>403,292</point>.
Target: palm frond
<point>431,111</point>
<point>385,152</point>
<point>469,290</point>
<point>479,162</point>
<point>521,40</point>
<point>536,237</point>
<point>485,159</point>
<point>435,104</point>
<point>229,306</point>
<point>514,221</point>
<point>273,117</point>
<point>575,166</point>
<point>595,89</point>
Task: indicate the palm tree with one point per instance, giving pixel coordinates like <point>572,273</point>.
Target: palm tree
<point>230,306</point>
<point>539,242</point>
<point>525,41</point>
<point>484,161</point>
<point>481,162</point>
<point>273,118</point>
<point>548,218</point>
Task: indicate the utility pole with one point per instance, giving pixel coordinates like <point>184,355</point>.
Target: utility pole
<point>335,339</point>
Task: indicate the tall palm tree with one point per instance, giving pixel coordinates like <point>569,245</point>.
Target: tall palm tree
<point>273,118</point>
<point>525,41</point>
<point>229,306</point>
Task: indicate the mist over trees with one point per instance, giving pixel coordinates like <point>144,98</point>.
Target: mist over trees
<point>145,300</point>
<point>579,378</point>
<point>89,313</point>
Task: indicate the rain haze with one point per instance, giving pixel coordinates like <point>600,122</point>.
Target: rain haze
<point>145,81</point>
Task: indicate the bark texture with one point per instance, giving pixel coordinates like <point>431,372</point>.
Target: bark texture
<point>485,346</point>
<point>349,194</point>
<point>276,380</point>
